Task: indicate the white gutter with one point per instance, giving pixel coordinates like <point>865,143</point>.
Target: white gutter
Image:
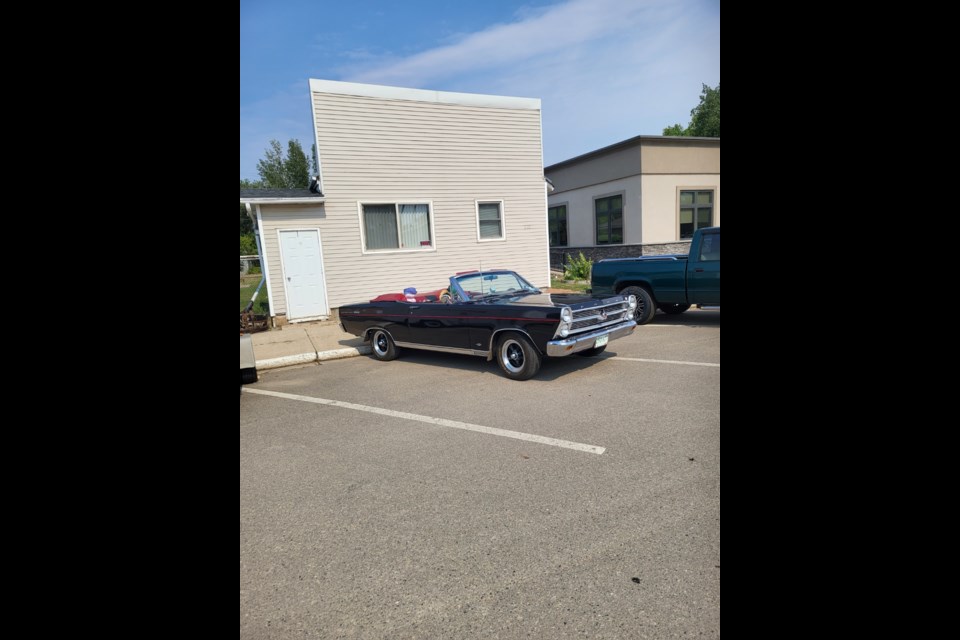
<point>249,201</point>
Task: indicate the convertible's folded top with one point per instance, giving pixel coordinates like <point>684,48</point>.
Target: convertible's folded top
<point>429,296</point>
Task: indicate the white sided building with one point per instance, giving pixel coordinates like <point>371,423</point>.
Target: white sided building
<point>415,185</point>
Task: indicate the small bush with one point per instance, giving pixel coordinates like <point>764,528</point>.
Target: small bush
<point>248,246</point>
<point>578,268</point>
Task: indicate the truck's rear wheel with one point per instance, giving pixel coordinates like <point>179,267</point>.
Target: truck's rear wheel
<point>646,307</point>
<point>674,309</point>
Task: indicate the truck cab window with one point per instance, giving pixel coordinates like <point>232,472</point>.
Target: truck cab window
<point>710,248</point>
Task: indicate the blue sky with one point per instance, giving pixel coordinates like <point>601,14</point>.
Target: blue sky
<point>605,70</point>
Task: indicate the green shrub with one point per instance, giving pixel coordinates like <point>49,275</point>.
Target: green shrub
<point>578,268</point>
<point>248,246</point>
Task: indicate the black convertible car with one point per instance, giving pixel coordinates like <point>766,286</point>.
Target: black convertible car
<point>496,314</point>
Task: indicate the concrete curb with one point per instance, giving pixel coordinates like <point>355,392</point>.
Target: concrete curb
<point>306,358</point>
<point>346,352</point>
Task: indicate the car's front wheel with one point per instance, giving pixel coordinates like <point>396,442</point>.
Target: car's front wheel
<point>383,346</point>
<point>517,356</point>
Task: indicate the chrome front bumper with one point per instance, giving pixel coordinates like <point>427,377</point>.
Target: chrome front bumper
<point>583,341</point>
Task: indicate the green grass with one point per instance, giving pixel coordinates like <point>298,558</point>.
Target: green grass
<point>573,285</point>
<point>247,286</point>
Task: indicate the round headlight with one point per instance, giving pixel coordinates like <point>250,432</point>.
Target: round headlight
<point>632,301</point>
<point>566,314</point>
<point>564,332</point>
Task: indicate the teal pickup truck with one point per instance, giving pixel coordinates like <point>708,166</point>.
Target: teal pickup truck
<point>672,283</point>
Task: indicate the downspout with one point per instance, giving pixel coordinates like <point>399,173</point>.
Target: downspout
<point>263,276</point>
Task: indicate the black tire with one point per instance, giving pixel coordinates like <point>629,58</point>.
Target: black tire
<point>517,357</point>
<point>589,353</point>
<point>646,306</point>
<point>382,345</point>
<point>674,309</point>
<point>248,376</point>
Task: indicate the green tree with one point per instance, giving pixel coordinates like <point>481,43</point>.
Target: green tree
<point>284,172</point>
<point>246,225</point>
<point>248,245</point>
<point>295,169</point>
<point>270,167</point>
<point>704,118</point>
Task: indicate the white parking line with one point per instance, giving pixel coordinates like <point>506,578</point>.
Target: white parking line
<point>440,422</point>
<point>694,364</point>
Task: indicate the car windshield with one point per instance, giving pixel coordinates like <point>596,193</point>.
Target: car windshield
<point>477,285</point>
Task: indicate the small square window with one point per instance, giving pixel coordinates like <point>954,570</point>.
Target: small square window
<point>490,220</point>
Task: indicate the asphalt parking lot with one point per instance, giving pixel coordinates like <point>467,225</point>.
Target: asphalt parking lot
<point>440,499</point>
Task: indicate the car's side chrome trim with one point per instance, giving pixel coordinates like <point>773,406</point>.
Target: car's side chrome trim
<point>431,347</point>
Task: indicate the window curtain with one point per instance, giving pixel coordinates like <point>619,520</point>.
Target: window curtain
<point>490,220</point>
<point>414,225</point>
<point>380,226</point>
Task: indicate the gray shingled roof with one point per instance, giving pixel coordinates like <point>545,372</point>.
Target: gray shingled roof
<point>278,193</point>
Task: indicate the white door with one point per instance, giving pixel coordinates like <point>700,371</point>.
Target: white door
<point>303,274</point>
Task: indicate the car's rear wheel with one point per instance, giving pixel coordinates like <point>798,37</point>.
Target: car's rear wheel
<point>383,346</point>
<point>646,307</point>
<point>674,309</point>
<point>517,356</point>
<point>589,353</point>
<point>248,376</point>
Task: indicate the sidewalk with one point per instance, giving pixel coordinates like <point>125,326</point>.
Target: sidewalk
<point>305,343</point>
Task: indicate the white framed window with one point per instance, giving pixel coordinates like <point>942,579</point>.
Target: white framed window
<point>396,226</point>
<point>490,220</point>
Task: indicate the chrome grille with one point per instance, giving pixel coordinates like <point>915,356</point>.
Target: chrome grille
<point>599,316</point>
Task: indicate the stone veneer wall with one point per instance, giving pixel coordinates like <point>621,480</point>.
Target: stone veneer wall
<point>558,254</point>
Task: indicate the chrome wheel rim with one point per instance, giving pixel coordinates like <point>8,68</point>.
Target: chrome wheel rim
<point>511,355</point>
<point>380,343</point>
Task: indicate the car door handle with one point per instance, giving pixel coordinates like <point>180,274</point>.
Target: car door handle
<point>416,306</point>
<point>699,270</point>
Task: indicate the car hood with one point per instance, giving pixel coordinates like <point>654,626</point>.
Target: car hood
<point>549,300</point>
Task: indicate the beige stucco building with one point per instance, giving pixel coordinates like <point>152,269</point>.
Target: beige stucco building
<point>646,195</point>
<point>416,185</point>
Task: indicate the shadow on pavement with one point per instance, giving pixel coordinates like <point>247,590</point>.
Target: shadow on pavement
<point>698,318</point>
